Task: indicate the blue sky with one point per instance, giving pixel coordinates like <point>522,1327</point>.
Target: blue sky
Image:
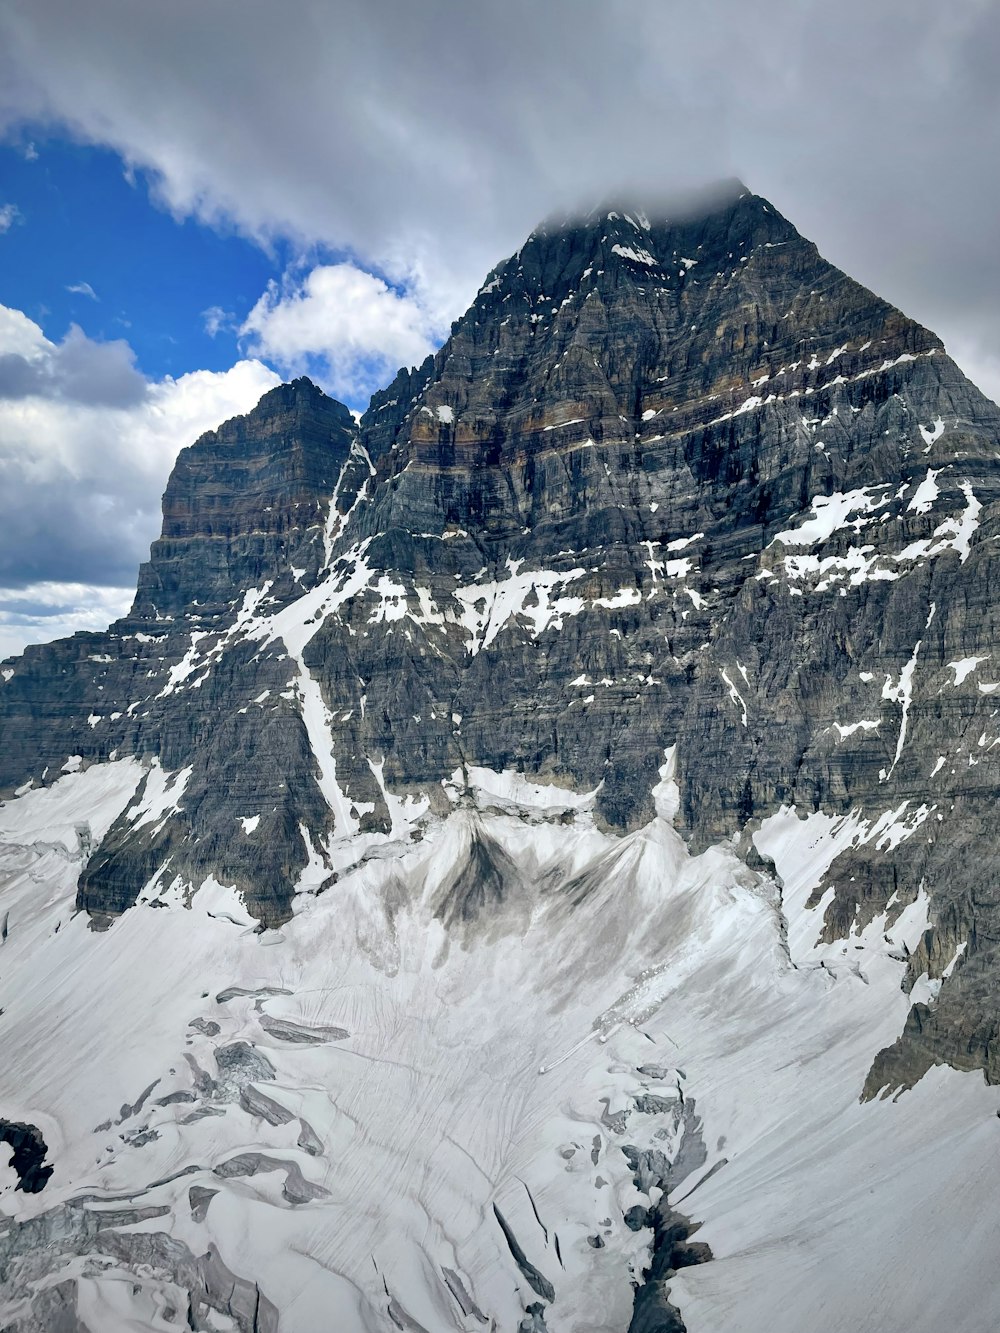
<point>335,186</point>
<point>127,328</point>
<point>90,246</point>
<point>90,241</point>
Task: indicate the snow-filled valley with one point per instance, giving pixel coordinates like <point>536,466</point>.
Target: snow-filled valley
<point>438,1096</point>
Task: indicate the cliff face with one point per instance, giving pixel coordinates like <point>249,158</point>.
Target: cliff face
<point>669,483</point>
<point>568,799</point>
<point>245,505</point>
<point>245,511</point>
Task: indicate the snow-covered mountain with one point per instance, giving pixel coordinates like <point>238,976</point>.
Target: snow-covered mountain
<point>526,861</point>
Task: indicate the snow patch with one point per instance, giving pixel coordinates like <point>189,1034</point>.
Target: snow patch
<point>931,436</point>
<point>636,255</point>
<point>831,512</point>
<point>926,493</point>
<point>902,693</point>
<point>963,667</point>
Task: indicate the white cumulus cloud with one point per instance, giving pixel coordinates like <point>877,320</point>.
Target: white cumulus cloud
<point>349,326</point>
<point>86,445</point>
<point>9,214</point>
<point>215,319</point>
<point>41,612</point>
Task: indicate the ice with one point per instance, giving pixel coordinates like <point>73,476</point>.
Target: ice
<point>931,437</point>
<point>535,595</point>
<point>336,521</point>
<point>515,788</point>
<point>666,794</point>
<point>954,534</point>
<point>392,601</point>
<point>160,797</point>
<point>748,405</point>
<point>902,693</point>
<point>670,569</point>
<point>860,564</point>
<point>186,666</point>
<point>735,695</point>
<point>318,724</point>
<point>623,597</point>
<point>50,814</point>
<point>558,425</point>
<point>967,524</point>
<point>679,543</point>
<point>848,729</point>
<point>602,956</point>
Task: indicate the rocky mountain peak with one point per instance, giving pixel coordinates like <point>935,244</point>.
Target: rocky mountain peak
<point>556,792</point>
<point>606,327</point>
<point>674,480</point>
<point>247,503</point>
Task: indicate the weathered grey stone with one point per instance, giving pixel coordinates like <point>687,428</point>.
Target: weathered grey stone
<point>619,401</point>
<point>28,1155</point>
<point>534,1277</point>
<point>298,1033</point>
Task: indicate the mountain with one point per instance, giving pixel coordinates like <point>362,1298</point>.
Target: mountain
<point>568,789</point>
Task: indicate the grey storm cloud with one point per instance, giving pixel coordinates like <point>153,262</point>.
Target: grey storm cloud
<point>78,369</point>
<point>66,533</point>
<point>429,138</point>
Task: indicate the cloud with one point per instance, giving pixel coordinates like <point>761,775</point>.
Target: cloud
<point>83,289</point>
<point>82,470</point>
<point>42,612</point>
<point>9,215</point>
<point>978,355</point>
<point>348,326</point>
<point>216,318</point>
<point>425,141</point>
<point>447,130</point>
<point>78,369</point>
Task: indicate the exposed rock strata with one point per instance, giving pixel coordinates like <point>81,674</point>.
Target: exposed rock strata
<point>667,483</point>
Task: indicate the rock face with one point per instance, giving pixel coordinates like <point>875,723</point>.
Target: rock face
<point>670,482</point>
<point>247,504</point>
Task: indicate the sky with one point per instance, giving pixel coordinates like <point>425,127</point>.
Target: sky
<point>197,201</point>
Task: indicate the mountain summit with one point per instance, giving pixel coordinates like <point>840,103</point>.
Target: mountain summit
<point>561,786</point>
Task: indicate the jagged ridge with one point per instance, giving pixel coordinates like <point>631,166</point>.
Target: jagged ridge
<point>667,483</point>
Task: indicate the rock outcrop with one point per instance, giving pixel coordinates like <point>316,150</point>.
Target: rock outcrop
<point>247,505</point>
<point>670,482</point>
